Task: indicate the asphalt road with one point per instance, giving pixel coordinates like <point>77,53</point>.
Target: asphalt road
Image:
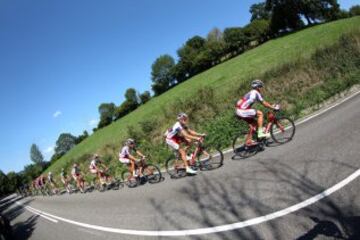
<point>325,151</point>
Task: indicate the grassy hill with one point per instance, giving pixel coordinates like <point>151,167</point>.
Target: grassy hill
<point>220,85</point>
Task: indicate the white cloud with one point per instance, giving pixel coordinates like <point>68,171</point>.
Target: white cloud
<point>57,114</point>
<point>49,150</point>
<point>93,122</point>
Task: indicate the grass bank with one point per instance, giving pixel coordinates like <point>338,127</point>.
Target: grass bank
<point>299,70</point>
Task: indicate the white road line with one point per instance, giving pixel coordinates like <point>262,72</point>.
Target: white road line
<point>221,228</point>
<point>226,227</point>
<point>37,212</point>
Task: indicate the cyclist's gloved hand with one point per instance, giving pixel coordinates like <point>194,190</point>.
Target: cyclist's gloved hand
<point>276,107</point>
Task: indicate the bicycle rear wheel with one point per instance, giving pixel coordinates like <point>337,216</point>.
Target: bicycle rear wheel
<point>129,180</point>
<point>283,130</point>
<point>152,173</point>
<point>175,167</point>
<point>241,149</point>
<point>210,159</point>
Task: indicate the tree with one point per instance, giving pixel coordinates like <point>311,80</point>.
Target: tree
<point>319,10</point>
<point>82,137</point>
<point>35,155</point>
<point>355,10</point>
<point>145,97</point>
<point>214,49</point>
<point>4,184</point>
<point>107,111</point>
<point>162,74</point>
<point>31,171</point>
<point>188,65</point>
<point>131,102</point>
<point>258,30</point>
<point>235,40</point>
<point>258,11</point>
<point>65,142</point>
<point>13,181</point>
<point>285,15</point>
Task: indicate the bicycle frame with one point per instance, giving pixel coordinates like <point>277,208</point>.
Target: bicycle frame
<point>271,119</point>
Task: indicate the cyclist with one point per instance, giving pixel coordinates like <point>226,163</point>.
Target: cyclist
<point>181,133</point>
<point>76,174</point>
<point>65,180</point>
<point>127,158</point>
<point>52,183</point>
<point>245,112</point>
<point>94,167</point>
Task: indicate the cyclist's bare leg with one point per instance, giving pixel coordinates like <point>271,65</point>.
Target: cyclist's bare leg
<point>182,153</point>
<point>260,119</point>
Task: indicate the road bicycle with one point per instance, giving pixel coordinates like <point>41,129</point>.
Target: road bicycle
<point>202,158</point>
<point>149,173</point>
<point>281,129</point>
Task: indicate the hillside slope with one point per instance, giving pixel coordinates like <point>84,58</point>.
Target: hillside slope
<point>223,78</point>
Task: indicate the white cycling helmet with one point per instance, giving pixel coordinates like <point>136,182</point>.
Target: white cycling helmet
<point>130,141</point>
<point>257,83</point>
<point>181,116</point>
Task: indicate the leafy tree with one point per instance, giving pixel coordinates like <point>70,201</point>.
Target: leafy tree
<point>145,97</point>
<point>131,102</point>
<point>107,111</point>
<point>257,30</point>
<point>4,184</point>
<point>32,171</point>
<point>258,11</point>
<point>82,137</point>
<point>188,64</point>
<point>162,74</point>
<point>355,10</point>
<point>35,155</point>
<point>285,15</point>
<point>235,40</point>
<point>214,49</point>
<point>319,10</point>
<point>65,142</point>
<point>14,181</point>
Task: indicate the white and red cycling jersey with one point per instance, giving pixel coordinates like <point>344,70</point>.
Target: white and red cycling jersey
<point>174,132</point>
<point>93,165</point>
<point>249,99</point>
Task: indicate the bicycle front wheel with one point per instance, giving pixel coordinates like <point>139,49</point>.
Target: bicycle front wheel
<point>210,159</point>
<point>282,130</point>
<point>152,173</point>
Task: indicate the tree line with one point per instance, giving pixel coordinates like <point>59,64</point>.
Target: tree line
<point>269,19</point>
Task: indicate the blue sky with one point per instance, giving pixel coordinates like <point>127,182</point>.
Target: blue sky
<point>59,60</point>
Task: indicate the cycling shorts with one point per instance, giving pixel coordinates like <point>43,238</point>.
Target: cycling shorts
<point>124,160</point>
<point>173,144</point>
<point>246,113</point>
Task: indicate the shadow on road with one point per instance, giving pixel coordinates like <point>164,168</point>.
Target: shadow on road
<point>270,187</point>
<point>20,229</point>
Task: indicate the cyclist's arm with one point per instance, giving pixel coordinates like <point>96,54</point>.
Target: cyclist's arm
<point>140,154</point>
<point>267,104</point>
<point>192,132</point>
<point>186,135</point>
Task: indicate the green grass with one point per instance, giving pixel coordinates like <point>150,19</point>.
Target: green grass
<point>223,78</point>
